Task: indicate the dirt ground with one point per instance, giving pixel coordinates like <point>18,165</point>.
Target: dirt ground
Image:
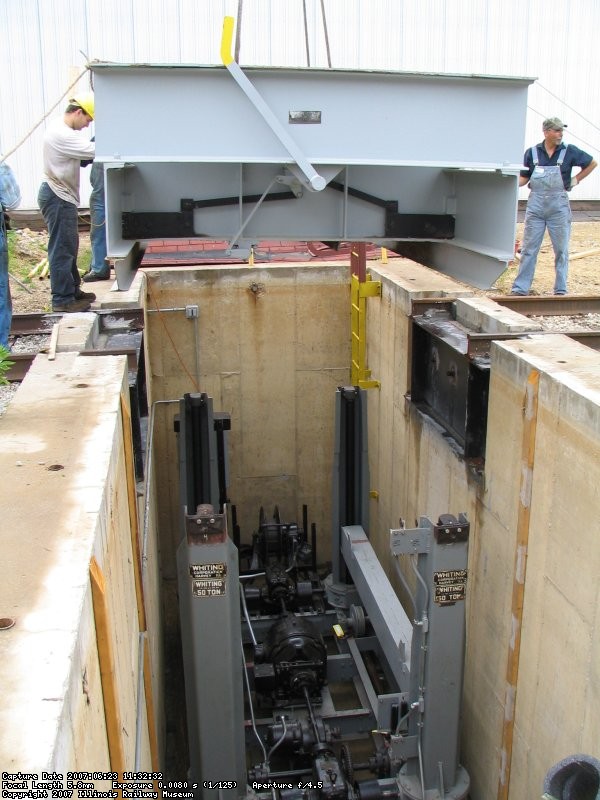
<point>584,265</point>
<point>31,295</point>
<point>584,270</point>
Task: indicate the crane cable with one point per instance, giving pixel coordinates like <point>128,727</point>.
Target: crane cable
<point>238,33</point>
<point>306,33</point>
<point>326,34</point>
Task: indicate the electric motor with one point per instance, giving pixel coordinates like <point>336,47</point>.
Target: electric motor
<point>298,656</point>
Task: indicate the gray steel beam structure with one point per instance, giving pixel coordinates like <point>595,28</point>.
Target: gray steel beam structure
<point>209,606</point>
<point>437,663</point>
<point>416,162</point>
<point>207,569</point>
<point>425,656</point>
<point>390,623</point>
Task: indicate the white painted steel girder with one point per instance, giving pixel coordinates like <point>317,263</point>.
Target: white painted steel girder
<point>444,145</point>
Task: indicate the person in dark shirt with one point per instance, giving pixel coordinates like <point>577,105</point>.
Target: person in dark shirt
<point>547,168</point>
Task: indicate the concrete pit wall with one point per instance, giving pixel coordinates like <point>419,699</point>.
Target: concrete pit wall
<point>80,667</point>
<point>274,344</point>
<point>534,518</point>
<point>270,347</point>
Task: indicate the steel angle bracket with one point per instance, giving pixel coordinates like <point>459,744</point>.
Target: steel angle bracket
<point>411,541</point>
<point>415,541</point>
<point>369,288</point>
<point>314,181</point>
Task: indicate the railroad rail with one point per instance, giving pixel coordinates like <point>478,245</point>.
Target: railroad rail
<point>550,305</point>
<point>531,305</point>
<point>479,344</point>
<point>109,320</point>
<point>40,323</point>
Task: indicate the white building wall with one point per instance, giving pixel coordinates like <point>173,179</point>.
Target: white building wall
<point>46,44</point>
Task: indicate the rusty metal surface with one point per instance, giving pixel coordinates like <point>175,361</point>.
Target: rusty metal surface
<point>540,306</point>
<point>21,363</point>
<point>31,324</point>
<point>588,338</point>
<point>553,306</point>
<point>530,305</point>
<point>130,352</point>
<point>420,305</point>
<point>479,344</point>
<point>114,317</point>
<point>432,310</point>
<point>129,322</point>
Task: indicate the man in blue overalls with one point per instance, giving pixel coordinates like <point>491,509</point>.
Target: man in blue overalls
<point>547,169</point>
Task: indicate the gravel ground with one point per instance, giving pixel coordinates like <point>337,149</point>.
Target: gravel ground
<point>581,322</point>
<point>26,344</point>
<point>6,395</point>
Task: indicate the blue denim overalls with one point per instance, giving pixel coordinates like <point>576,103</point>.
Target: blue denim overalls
<point>548,207</point>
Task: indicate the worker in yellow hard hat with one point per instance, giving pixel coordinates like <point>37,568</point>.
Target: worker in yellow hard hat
<point>65,146</point>
<point>85,101</point>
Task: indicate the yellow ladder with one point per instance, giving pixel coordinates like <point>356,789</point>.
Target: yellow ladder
<point>361,287</point>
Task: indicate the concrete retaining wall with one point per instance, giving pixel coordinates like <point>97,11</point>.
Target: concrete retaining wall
<point>274,343</point>
<point>415,471</point>
<point>270,345</point>
<point>69,503</point>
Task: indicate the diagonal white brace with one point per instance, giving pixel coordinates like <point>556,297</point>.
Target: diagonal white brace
<point>316,182</point>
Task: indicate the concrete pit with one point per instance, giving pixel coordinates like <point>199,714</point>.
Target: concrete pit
<point>88,550</point>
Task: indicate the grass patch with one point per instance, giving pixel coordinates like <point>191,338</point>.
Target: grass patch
<point>27,248</point>
<point>5,364</point>
<point>24,252</point>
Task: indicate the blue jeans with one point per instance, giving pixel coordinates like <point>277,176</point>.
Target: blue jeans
<point>98,233</point>
<point>5,298</point>
<point>551,211</point>
<point>60,217</point>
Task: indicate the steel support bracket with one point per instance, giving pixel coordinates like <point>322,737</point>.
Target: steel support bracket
<point>410,541</point>
<point>369,288</point>
<point>205,528</point>
<point>449,382</point>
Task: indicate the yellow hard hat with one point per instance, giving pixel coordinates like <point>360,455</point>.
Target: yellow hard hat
<point>84,100</point>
